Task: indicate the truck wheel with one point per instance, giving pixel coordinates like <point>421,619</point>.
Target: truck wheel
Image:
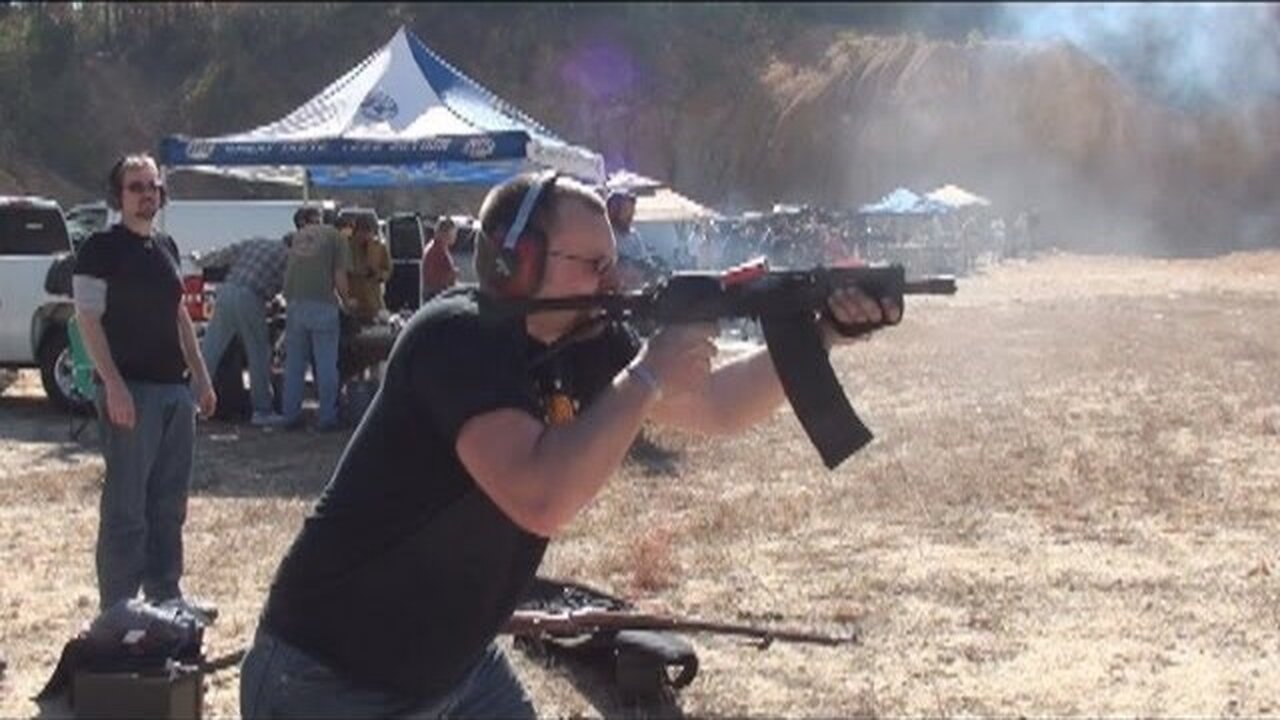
<point>56,375</point>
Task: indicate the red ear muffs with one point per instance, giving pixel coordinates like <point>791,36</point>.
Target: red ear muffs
<point>522,254</point>
<point>524,265</point>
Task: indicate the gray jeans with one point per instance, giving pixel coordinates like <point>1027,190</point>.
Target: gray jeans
<point>241,313</point>
<point>144,498</point>
<point>278,680</point>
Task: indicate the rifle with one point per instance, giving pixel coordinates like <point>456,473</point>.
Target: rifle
<point>645,655</point>
<point>787,303</point>
<point>593,620</point>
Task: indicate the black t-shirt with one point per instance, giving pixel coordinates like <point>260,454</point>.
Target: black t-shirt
<point>405,570</point>
<point>144,289</point>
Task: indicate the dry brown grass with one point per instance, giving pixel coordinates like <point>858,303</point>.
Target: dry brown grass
<point>1071,508</point>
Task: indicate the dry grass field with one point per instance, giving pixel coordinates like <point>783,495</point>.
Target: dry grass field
<point>1071,509</point>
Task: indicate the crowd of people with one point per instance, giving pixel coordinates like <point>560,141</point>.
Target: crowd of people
<point>492,432</point>
<point>800,238</point>
<point>805,236</point>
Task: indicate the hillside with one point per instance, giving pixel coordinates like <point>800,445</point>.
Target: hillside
<point>739,106</point>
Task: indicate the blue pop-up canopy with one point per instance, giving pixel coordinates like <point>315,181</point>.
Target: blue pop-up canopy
<point>904,202</point>
<point>403,116</point>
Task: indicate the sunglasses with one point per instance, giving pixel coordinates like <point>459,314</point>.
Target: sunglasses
<point>600,265</point>
<point>139,187</point>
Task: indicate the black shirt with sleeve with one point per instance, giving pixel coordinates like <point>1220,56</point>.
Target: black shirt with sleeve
<point>144,289</point>
<point>405,570</point>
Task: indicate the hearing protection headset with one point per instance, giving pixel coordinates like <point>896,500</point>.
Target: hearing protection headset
<point>520,259</point>
<point>115,186</point>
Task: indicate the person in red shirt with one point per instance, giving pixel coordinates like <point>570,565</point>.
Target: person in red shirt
<point>438,270</point>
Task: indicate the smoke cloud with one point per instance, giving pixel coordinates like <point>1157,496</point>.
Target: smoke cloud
<point>1190,55</point>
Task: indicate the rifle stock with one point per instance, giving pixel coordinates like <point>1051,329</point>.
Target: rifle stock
<point>787,303</point>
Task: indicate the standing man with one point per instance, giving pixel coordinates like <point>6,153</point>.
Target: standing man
<point>315,286</point>
<point>370,269</point>
<point>438,270</point>
<point>128,296</point>
<point>636,266</point>
<point>491,432</point>
<point>622,212</point>
<point>255,278</point>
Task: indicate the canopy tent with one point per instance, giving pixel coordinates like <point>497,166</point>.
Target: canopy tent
<point>667,205</point>
<point>627,181</point>
<point>656,201</point>
<point>403,116</point>
<point>956,197</point>
<point>904,202</point>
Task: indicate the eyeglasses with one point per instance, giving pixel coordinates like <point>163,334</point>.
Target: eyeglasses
<point>601,265</point>
<point>139,187</point>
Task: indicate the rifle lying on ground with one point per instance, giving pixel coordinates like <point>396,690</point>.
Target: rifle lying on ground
<point>593,620</point>
<point>787,303</point>
<point>643,651</point>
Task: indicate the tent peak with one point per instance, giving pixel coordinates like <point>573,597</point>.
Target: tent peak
<point>420,51</point>
<point>403,110</point>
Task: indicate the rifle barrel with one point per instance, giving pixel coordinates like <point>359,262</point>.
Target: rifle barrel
<point>765,634</point>
<point>931,285</point>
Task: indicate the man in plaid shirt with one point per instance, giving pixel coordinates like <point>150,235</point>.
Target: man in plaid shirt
<point>256,276</point>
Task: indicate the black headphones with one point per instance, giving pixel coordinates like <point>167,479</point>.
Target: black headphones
<point>115,186</point>
<point>520,258</point>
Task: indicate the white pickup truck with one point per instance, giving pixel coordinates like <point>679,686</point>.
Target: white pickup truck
<point>33,235</point>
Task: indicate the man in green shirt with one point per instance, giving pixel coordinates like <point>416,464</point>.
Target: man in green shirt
<point>315,288</point>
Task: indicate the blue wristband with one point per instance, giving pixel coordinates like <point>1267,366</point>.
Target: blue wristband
<point>646,377</point>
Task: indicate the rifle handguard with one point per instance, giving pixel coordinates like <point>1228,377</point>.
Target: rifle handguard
<point>853,330</point>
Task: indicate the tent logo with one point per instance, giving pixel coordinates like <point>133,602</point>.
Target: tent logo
<point>199,149</point>
<point>378,105</point>
<point>478,147</point>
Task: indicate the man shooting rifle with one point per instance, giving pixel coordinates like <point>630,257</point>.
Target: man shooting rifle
<point>480,447</point>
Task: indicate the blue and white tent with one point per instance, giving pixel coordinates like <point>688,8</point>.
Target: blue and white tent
<point>403,116</point>
<point>904,202</point>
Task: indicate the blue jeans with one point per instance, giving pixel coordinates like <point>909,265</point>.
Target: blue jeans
<point>309,327</point>
<point>144,498</point>
<point>278,680</point>
<point>240,312</point>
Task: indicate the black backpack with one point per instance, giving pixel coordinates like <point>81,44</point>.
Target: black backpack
<point>130,636</point>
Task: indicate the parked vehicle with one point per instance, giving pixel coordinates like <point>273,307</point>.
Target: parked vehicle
<point>86,219</point>
<point>35,298</point>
